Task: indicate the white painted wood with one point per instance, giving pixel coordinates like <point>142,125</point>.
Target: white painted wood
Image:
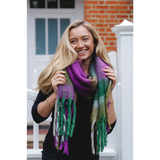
<point>35,135</point>
<point>31,94</point>
<point>33,154</point>
<point>124,34</point>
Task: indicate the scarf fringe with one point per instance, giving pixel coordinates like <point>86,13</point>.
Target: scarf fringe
<point>64,122</point>
<point>101,125</point>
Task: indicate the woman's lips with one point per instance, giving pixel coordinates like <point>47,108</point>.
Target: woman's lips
<point>82,52</point>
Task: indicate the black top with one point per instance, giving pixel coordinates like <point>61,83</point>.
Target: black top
<point>80,142</point>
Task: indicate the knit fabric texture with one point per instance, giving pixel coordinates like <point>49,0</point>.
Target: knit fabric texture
<point>96,84</point>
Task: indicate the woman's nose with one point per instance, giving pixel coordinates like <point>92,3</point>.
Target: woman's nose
<point>80,44</point>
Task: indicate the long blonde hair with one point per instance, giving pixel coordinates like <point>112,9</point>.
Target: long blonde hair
<point>65,55</point>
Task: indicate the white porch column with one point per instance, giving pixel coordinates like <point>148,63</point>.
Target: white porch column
<point>124,34</point>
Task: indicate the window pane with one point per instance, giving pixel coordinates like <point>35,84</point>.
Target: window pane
<point>52,3</point>
<point>67,4</point>
<point>37,3</point>
<point>40,36</point>
<point>63,25</point>
<point>52,35</point>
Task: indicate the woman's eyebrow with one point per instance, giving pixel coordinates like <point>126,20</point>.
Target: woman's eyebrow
<point>82,37</point>
<point>73,39</point>
<point>85,36</point>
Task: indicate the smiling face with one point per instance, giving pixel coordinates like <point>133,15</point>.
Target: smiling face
<point>82,42</point>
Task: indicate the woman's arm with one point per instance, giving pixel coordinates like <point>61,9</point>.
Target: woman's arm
<point>111,111</point>
<point>37,112</point>
<point>44,108</point>
<point>44,105</point>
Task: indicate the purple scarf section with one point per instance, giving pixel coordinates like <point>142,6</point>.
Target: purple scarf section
<point>78,77</point>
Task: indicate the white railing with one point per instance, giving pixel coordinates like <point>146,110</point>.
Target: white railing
<point>35,153</point>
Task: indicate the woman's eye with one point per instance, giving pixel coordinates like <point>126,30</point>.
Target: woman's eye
<point>73,41</point>
<point>85,39</point>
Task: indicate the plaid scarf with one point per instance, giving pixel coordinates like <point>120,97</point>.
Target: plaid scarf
<point>65,108</point>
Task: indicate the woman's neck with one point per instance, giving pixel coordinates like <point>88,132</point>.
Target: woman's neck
<point>86,64</point>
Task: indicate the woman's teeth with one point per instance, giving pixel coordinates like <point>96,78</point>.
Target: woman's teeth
<point>82,51</point>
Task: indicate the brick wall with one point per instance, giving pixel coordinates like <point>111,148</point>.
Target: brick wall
<point>105,14</point>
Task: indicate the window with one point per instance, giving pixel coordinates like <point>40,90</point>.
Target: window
<point>46,30</point>
<point>52,4</point>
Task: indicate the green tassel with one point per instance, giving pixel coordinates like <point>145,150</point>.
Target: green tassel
<point>58,117</point>
<point>107,98</point>
<point>74,118</point>
<point>102,135</point>
<point>105,134</point>
<point>69,118</point>
<point>62,113</point>
<point>98,137</point>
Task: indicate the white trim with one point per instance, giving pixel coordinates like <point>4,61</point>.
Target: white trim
<point>51,11</point>
<point>31,94</point>
<point>124,34</point>
<point>46,35</point>
<point>58,29</point>
<point>36,153</point>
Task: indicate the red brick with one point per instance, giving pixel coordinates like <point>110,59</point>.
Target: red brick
<point>111,49</point>
<point>101,29</point>
<point>102,7</point>
<point>101,25</point>
<point>131,16</point>
<point>112,7</point>
<point>112,34</point>
<point>92,20</point>
<point>87,16</point>
<point>124,2</point>
<point>112,16</point>
<point>87,7</point>
<point>112,11</point>
<point>108,30</point>
<point>112,43</point>
<point>121,7</point>
<point>122,16</point>
<point>111,2</point>
<point>91,11</point>
<point>105,43</point>
<point>111,20</point>
<point>102,16</point>
<point>101,20</point>
<point>103,34</point>
<point>90,2</point>
<point>111,25</point>
<point>130,7</point>
<point>111,39</point>
<point>101,11</point>
<point>101,2</point>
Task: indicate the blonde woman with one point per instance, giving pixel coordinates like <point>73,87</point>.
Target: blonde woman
<point>76,88</point>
